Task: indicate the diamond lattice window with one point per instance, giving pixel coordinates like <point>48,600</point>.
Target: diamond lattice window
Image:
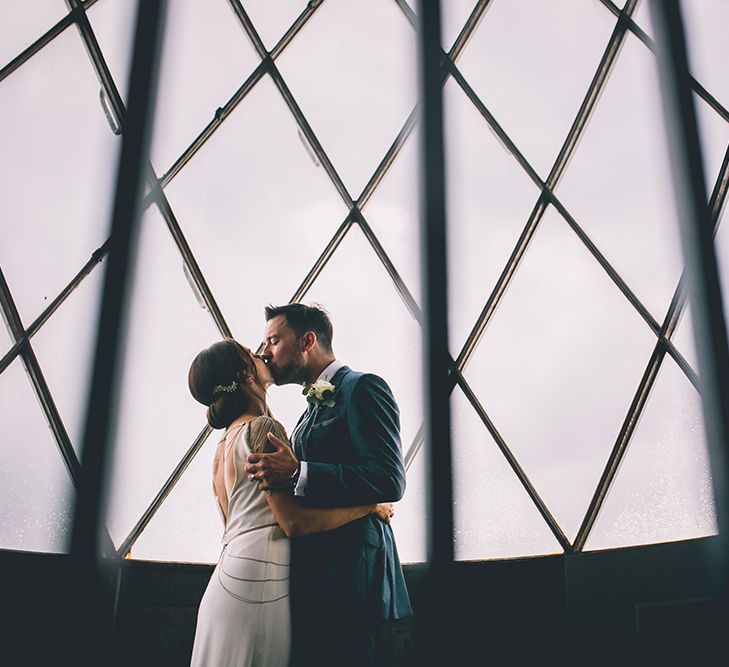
<point>286,158</point>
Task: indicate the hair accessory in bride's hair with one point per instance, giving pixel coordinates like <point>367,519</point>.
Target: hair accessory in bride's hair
<point>225,389</point>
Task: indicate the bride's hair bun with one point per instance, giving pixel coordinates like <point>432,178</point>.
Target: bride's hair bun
<point>218,378</point>
<point>224,409</point>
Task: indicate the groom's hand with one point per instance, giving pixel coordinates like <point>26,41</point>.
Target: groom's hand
<point>274,470</point>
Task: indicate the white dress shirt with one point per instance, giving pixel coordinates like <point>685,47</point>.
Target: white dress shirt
<point>327,374</point>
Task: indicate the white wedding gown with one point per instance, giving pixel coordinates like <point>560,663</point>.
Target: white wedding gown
<point>244,619</point>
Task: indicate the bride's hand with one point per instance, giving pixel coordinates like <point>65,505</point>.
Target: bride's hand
<point>384,511</point>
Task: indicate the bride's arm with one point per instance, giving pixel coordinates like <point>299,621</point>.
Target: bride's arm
<point>296,520</point>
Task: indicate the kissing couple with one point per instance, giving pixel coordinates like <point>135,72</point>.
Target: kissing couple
<point>309,568</point>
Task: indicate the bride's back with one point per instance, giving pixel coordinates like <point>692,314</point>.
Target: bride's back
<point>244,506</point>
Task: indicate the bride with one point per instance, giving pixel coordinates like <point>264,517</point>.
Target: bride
<point>244,618</point>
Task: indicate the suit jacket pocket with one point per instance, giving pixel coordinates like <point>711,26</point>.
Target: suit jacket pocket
<point>325,423</point>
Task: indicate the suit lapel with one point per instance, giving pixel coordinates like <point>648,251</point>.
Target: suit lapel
<point>311,420</point>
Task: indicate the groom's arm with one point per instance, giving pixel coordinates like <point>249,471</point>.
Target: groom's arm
<point>373,420</point>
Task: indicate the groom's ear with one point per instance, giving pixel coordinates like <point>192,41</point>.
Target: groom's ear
<point>308,341</point>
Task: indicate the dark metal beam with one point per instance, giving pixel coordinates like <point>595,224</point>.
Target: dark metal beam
<point>435,618</point>
<point>94,604</point>
<point>435,294</point>
<point>702,273</point>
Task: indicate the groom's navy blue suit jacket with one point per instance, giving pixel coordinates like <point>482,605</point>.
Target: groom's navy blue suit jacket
<point>354,457</point>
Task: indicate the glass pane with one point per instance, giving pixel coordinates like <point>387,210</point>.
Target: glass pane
<point>255,209</point>
<point>531,63</point>
<point>454,15</point>
<point>59,158</point>
<point>157,418</point>
<point>409,522</point>
<point>489,202</point>
<point>273,19</point>
<point>392,212</point>
<point>113,23</point>
<point>493,514</point>
<point>558,366</point>
<point>21,23</point>
<point>663,490</point>
<point>36,494</point>
<point>714,134</point>
<point>373,331</point>
<point>206,58</point>
<point>352,71</point>
<point>65,347</point>
<point>704,23</point>
<point>618,185</point>
<point>187,527</point>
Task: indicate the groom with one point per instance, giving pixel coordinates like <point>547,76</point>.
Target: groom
<point>347,451</point>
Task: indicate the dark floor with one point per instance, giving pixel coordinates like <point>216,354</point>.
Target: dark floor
<point>644,605</point>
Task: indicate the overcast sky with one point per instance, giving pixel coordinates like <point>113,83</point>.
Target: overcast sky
<point>557,367</point>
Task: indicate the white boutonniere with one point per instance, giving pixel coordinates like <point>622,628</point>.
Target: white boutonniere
<point>320,393</point>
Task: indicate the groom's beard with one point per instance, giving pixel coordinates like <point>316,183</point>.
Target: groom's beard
<point>291,373</point>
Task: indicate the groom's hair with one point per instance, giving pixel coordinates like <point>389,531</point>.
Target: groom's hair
<point>301,319</point>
